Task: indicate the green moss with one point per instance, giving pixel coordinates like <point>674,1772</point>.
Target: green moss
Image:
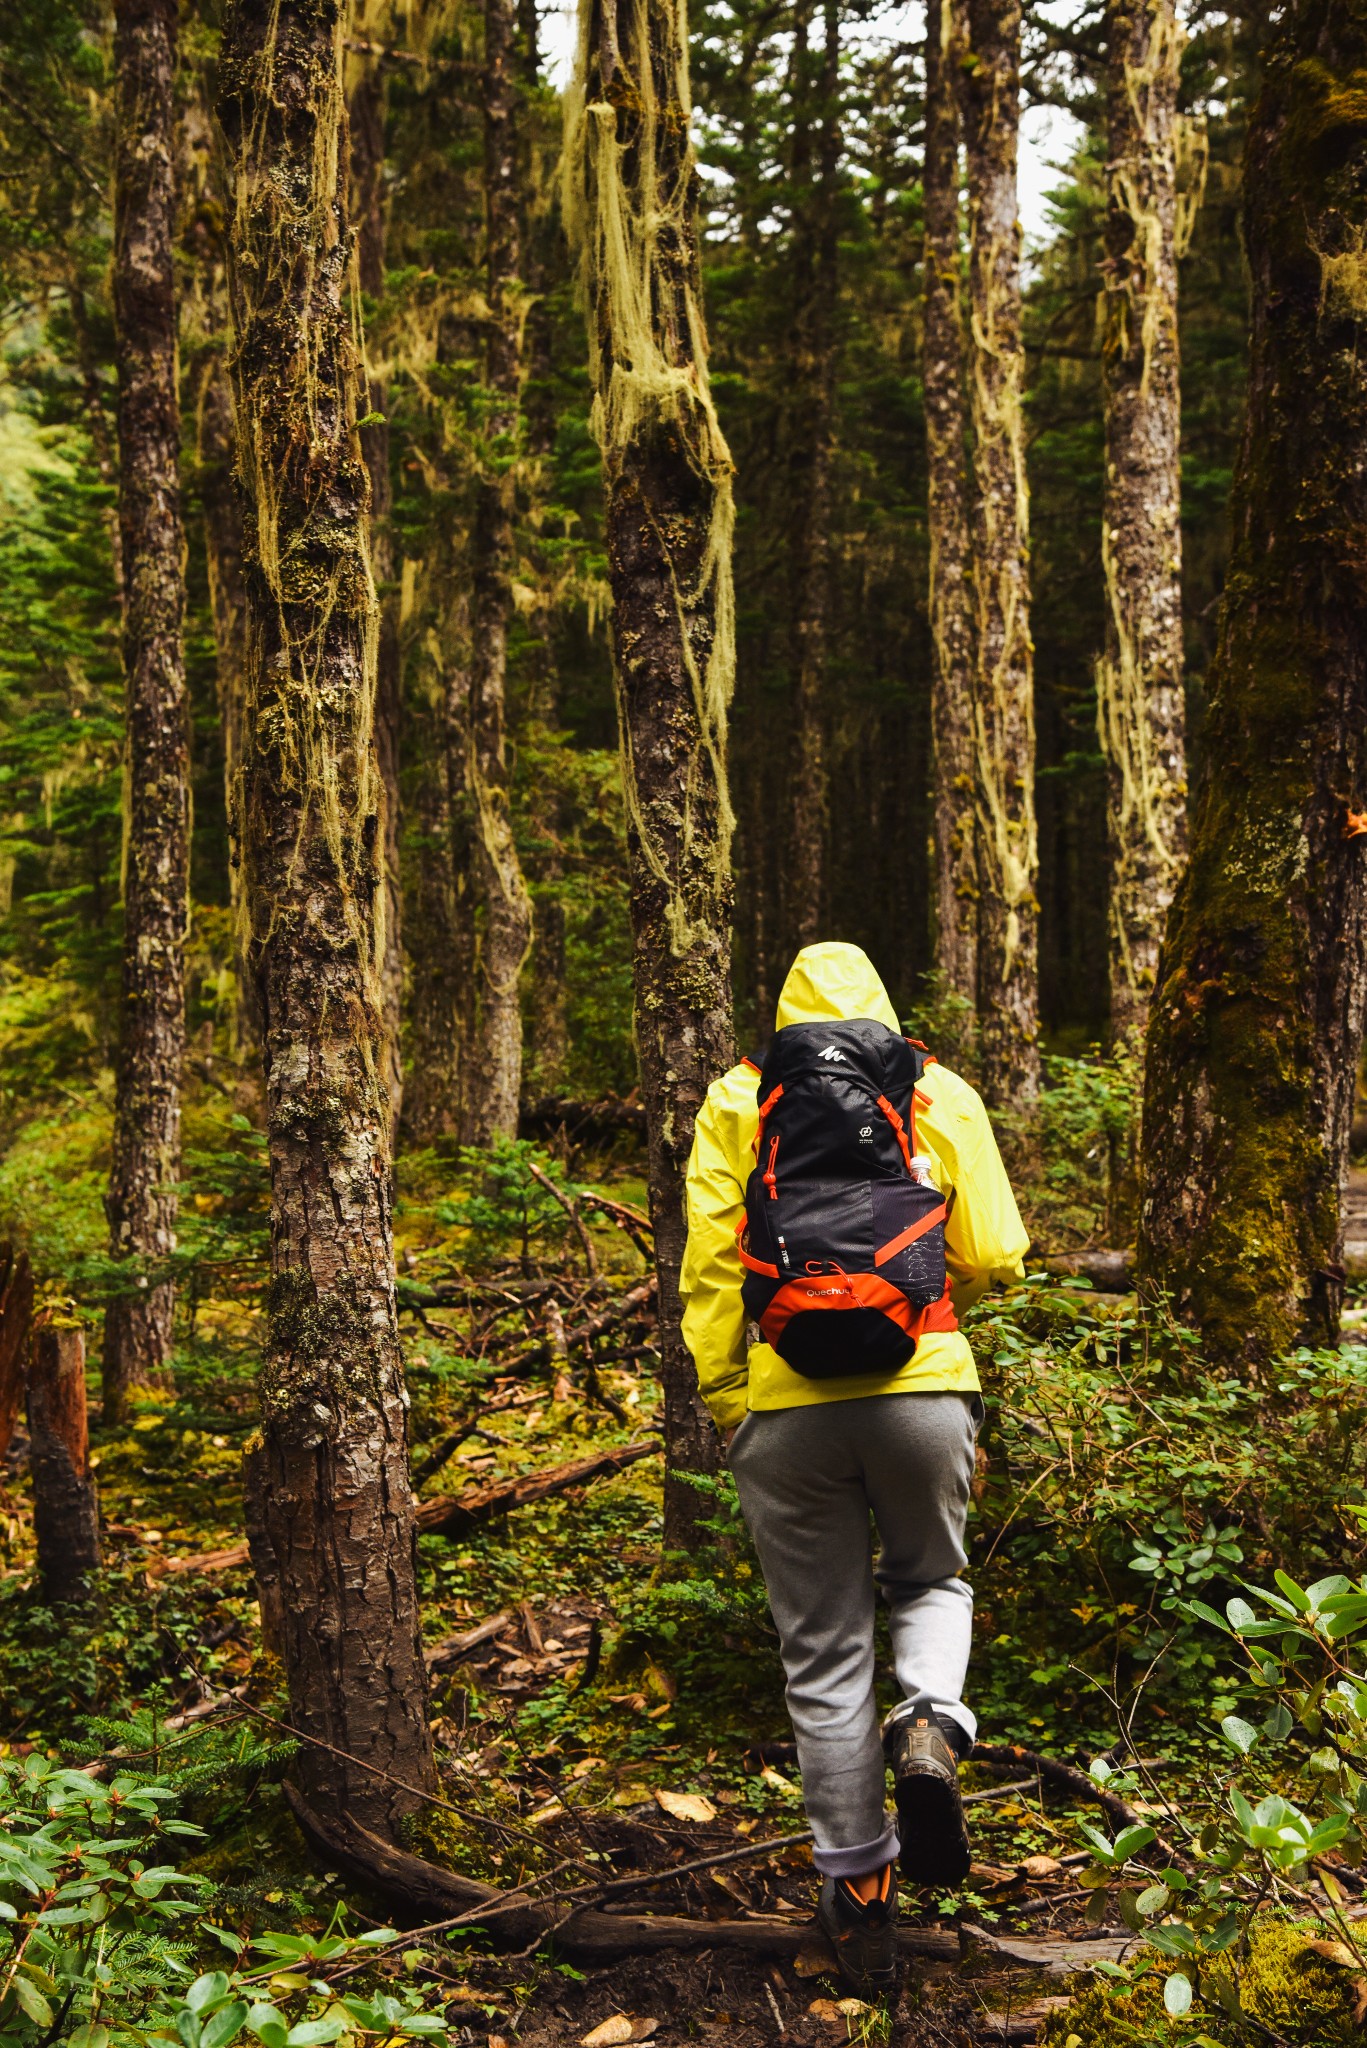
<point>1286,1989</point>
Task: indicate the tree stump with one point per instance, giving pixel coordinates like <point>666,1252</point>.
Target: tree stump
<point>66,1521</point>
<point>16,1309</point>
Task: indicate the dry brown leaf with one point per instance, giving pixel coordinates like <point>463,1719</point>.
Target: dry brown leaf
<point>585,1765</point>
<point>1359,2000</point>
<point>686,1805</point>
<point>825,2009</point>
<point>499,2041</point>
<point>610,2033</point>
<point>551,1811</point>
<point>852,2008</point>
<point>1041,1866</point>
<point>729,1882</point>
<point>643,2029</point>
<point>1336,1952</point>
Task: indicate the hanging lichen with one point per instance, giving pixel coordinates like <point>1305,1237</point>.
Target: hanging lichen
<point>635,239</point>
<point>1139,674</point>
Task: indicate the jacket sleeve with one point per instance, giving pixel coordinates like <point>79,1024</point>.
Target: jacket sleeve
<point>985,1240</point>
<point>710,1282</point>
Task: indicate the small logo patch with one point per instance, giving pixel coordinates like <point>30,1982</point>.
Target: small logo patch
<point>830,1052</point>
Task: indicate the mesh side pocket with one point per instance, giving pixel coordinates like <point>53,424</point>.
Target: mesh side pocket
<point>918,1267</point>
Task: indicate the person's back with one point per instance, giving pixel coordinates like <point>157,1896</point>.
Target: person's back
<point>820,1428</point>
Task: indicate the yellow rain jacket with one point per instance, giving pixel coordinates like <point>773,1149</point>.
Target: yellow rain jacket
<point>985,1240</point>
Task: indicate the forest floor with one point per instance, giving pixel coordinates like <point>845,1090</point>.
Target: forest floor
<point>595,1703</point>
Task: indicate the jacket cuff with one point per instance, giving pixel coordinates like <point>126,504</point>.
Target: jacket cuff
<point>728,1405</point>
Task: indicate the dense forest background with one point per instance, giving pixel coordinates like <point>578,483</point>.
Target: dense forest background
<point>368,751</point>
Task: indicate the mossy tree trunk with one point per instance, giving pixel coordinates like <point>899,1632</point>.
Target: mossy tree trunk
<point>333,1461</point>
<point>630,201</point>
<point>816,282</point>
<point>493,1080</point>
<point>1004,686</point>
<point>366,116</point>
<point>1140,714</point>
<point>1256,1022</point>
<point>141,1200</point>
<point>951,589</point>
<point>222,513</point>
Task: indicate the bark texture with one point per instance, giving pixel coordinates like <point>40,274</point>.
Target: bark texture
<point>1256,1023</point>
<point>16,1308</point>
<point>222,511</point>
<point>816,279</point>
<point>948,494</point>
<point>366,120</point>
<point>630,201</point>
<point>1140,714</point>
<point>494,1080</point>
<point>333,1461</point>
<point>66,1515</point>
<point>141,1200</point>
<point>1004,686</point>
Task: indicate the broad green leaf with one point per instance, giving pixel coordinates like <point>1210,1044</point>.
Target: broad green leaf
<point>1327,1589</point>
<point>1241,1615</point>
<point>91,2035</point>
<point>310,2033</point>
<point>269,2026</point>
<point>1153,1899</point>
<point>1172,1940</point>
<point>208,1991</point>
<point>1177,1995</point>
<point>225,2026</point>
<point>32,2001</point>
<point>1297,1595</point>
<point>1131,1840</point>
<point>425,2023</point>
<point>1239,1734</point>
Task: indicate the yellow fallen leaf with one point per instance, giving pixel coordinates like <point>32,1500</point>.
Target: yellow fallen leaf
<point>778,1783</point>
<point>824,2009</point>
<point>1041,1866</point>
<point>585,1765</point>
<point>852,2008</point>
<point>686,1805</point>
<point>610,2032</point>
<point>643,2029</point>
<point>551,1811</point>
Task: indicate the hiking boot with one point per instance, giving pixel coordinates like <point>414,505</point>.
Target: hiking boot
<point>864,1937</point>
<point>924,1749</point>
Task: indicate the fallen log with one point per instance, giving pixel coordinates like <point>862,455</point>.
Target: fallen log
<point>451,1649</point>
<point>439,1897</point>
<point>454,1514</point>
<point>1110,1272</point>
<point>1068,1778</point>
<point>638,1299</point>
<point>604,1119</point>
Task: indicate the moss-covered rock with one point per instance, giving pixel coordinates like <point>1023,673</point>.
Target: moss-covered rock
<point>1286,1988</point>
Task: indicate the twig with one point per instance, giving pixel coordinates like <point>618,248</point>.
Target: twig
<point>571,1209</point>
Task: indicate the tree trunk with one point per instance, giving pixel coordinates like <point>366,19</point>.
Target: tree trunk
<point>222,510</point>
<point>367,114</point>
<point>338,1505</point>
<point>630,198</point>
<point>1139,678</point>
<point>16,1308</point>
<point>141,1201</point>
<point>951,561</point>
<point>66,1513</point>
<point>1256,1022</point>
<point>816,283</point>
<point>1003,708</point>
<point>494,1077</point>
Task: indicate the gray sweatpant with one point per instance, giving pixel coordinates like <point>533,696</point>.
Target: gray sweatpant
<point>808,1479</point>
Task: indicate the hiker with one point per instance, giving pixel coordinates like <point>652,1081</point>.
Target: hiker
<point>846,1201</point>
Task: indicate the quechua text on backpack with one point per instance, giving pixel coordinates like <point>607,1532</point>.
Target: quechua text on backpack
<point>843,1237</point>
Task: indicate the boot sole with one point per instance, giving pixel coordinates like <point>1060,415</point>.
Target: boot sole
<point>931,1825</point>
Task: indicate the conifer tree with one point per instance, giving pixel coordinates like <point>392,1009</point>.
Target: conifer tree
<point>630,203</point>
<point>1139,678</point>
<point>1255,1026</point>
<point>141,1200</point>
<point>951,590</point>
<point>333,1499</point>
<point>1004,684</point>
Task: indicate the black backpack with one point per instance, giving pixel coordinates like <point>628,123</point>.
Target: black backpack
<point>843,1244</point>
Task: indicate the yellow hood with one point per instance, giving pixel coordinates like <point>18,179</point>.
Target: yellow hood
<point>833,980</point>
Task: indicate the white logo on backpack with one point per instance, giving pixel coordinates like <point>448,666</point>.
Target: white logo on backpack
<point>831,1052</point>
